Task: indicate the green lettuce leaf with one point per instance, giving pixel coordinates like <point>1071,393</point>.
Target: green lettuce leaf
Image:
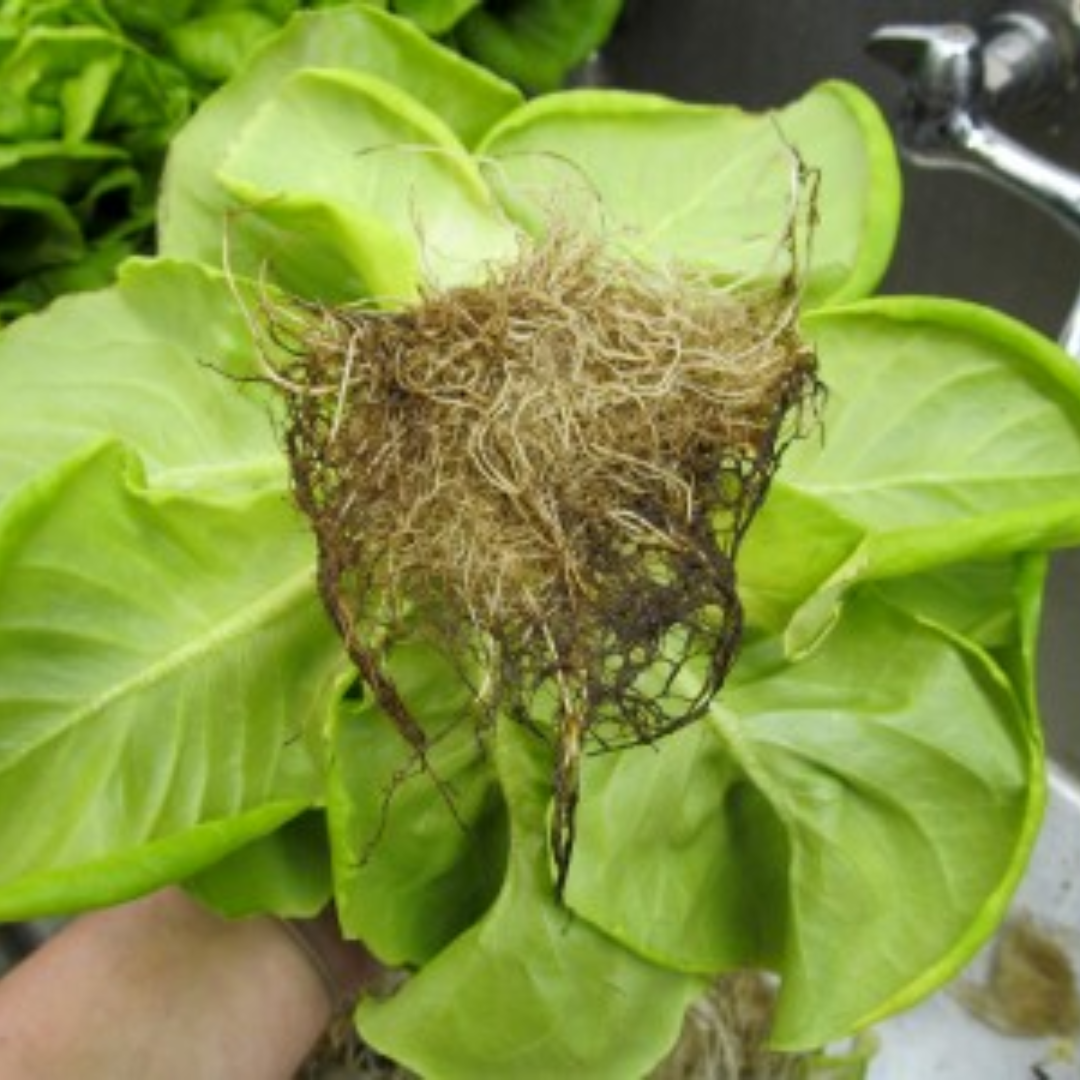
<point>950,433</point>
<point>163,685</point>
<point>529,991</point>
<point>81,104</point>
<point>133,364</point>
<point>727,204</point>
<point>435,16</point>
<point>419,853</point>
<point>468,100</point>
<point>396,195</point>
<point>536,43</point>
<point>213,46</point>
<point>286,872</point>
<point>56,81</point>
<point>892,773</point>
<point>159,667</point>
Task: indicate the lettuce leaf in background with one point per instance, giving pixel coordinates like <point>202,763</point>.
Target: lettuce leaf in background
<point>79,104</point>
<point>435,16</point>
<point>873,768</point>
<point>536,43</point>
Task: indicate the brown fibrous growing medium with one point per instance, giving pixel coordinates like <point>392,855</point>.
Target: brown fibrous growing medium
<point>548,473</point>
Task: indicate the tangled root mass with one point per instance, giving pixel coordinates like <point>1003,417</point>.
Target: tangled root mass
<point>550,472</point>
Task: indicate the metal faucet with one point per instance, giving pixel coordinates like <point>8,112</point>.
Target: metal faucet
<point>957,79</point>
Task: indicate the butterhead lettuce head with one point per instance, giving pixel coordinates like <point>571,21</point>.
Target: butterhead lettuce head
<point>851,811</point>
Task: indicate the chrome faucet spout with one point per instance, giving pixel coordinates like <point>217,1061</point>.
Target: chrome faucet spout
<point>978,145</point>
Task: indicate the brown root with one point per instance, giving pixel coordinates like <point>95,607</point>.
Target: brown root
<point>1031,987</point>
<point>550,473</point>
<point>724,1036</point>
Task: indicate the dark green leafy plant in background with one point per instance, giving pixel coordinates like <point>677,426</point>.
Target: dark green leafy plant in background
<point>91,92</point>
<point>857,807</point>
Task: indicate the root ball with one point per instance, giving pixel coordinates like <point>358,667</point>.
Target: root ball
<point>550,472</point>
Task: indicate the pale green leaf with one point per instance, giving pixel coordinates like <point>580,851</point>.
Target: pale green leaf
<point>950,433</point>
<point>122,872</point>
<point>993,405</point>
<point>359,39</point>
<point>711,185</point>
<point>909,776</point>
<point>145,363</point>
<point>410,197</point>
<point>855,820</point>
<point>530,991</point>
<point>162,660</point>
<point>708,853</point>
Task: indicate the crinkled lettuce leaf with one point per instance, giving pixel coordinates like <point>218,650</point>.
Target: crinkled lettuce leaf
<point>80,103</point>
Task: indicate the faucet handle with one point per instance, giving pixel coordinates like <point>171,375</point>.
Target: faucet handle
<point>942,67</point>
<point>1024,58</point>
<point>941,63</point>
<point>1031,56</point>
